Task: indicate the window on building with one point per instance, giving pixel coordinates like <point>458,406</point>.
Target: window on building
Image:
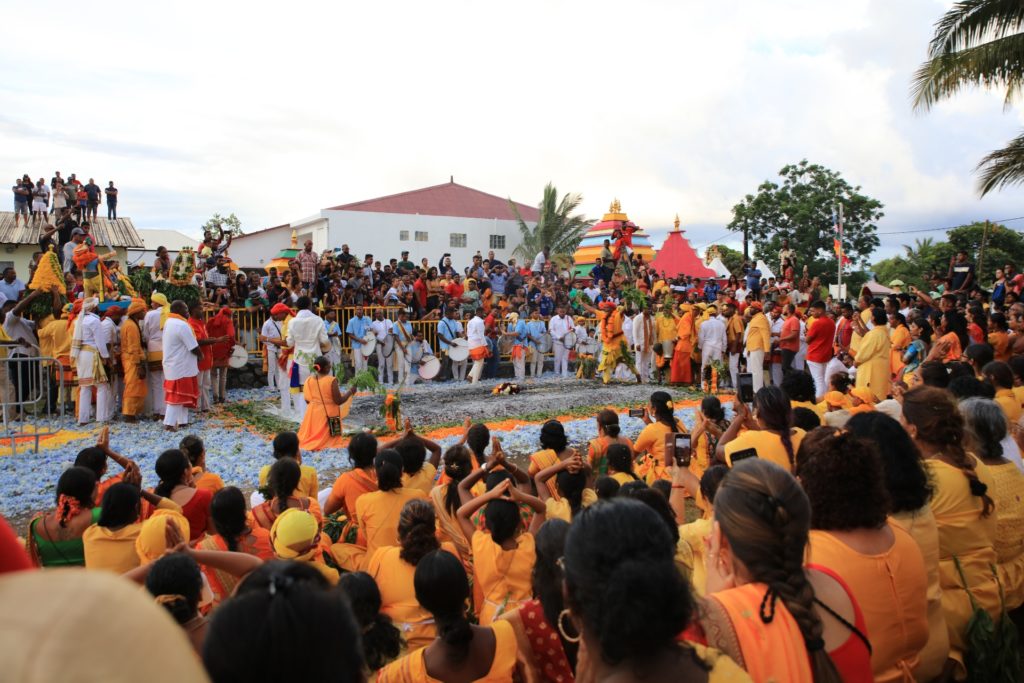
<point>497,242</point>
<point>403,235</point>
<point>421,236</point>
<point>457,240</point>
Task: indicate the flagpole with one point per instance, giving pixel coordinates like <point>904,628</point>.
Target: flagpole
<point>839,256</point>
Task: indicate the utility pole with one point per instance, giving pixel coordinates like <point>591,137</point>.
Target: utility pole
<point>746,255</point>
<point>839,256</point>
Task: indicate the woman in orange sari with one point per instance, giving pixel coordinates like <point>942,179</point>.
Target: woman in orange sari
<point>283,481</point>
<point>682,368</point>
<point>349,486</point>
<point>324,402</point>
<point>445,497</point>
<point>607,434</point>
<point>377,513</point>
<point>503,555</point>
<point>133,362</point>
<point>462,651</point>
<point>235,533</point>
<point>774,617</point>
<point>221,326</point>
<point>952,330</point>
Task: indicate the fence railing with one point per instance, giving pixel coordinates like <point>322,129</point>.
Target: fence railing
<point>31,396</point>
<point>249,323</point>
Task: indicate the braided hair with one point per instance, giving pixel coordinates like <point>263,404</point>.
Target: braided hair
<point>416,525</point>
<point>170,467</point>
<point>284,479</point>
<point>457,466</point>
<point>940,425</point>
<point>228,513</point>
<point>661,401</point>
<point>766,517</point>
<point>774,411</point>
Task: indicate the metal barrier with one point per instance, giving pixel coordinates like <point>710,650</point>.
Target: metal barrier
<point>249,323</point>
<point>29,386</point>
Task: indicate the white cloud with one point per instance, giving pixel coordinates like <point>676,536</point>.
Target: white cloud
<point>275,111</point>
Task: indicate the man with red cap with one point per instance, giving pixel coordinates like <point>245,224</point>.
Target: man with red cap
<point>273,335</point>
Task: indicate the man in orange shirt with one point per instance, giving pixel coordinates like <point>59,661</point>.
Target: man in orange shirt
<point>789,338</point>
<point>820,333</point>
<point>454,289</point>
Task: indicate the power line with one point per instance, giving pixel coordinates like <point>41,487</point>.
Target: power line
<point>946,229</point>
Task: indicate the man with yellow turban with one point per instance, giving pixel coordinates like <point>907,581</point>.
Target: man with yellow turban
<point>686,335</point>
<point>133,362</point>
<point>153,336</point>
<point>295,536</point>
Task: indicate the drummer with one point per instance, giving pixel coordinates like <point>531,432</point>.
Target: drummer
<point>536,329</point>
<point>272,330</point>
<point>356,331</point>
<point>558,327</point>
<point>419,352</point>
<point>448,330</point>
<point>517,331</point>
<point>381,329</point>
<point>401,329</point>
<point>479,349</point>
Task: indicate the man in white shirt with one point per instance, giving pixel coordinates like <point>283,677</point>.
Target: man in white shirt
<point>402,331</point>
<point>10,286</point>
<point>540,260</point>
<point>448,330</point>
<point>477,338</point>
<point>643,342</point>
<point>272,330</point>
<point>381,329</point>
<point>152,335</point>
<point>181,367</point>
<point>558,327</point>
<point>712,340</point>
<point>111,326</point>
<point>419,351</point>
<point>776,321</point>
<point>308,337</point>
<point>91,352</point>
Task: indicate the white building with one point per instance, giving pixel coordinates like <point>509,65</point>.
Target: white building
<point>152,239</point>
<point>428,223</point>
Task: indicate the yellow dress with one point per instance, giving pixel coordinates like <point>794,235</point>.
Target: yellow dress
<point>413,668</point>
<point>308,485</point>
<point>133,356</point>
<point>651,441</point>
<point>891,588</point>
<point>504,576</point>
<point>969,537</point>
<point>422,480</point>
<point>873,358</point>
<point>115,550</point>
<point>692,535</point>
<point>899,338</point>
<point>1007,400</point>
<point>560,509</point>
<point>1008,494</point>
<point>818,409</point>
<point>767,444</point>
<point>920,524</point>
<point>378,514</point>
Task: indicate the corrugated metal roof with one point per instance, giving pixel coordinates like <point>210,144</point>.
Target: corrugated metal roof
<point>449,199</point>
<point>116,233</point>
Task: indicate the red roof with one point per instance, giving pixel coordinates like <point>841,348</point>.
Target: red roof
<point>677,257</point>
<point>449,199</point>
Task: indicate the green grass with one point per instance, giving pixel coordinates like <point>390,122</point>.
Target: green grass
<point>251,414</point>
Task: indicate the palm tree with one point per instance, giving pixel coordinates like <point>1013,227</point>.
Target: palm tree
<point>558,229</point>
<point>978,42</point>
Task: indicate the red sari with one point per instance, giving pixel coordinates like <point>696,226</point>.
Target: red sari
<point>221,325</point>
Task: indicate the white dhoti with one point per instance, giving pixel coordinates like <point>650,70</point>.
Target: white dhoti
<point>401,365</point>
<point>271,368</point>
<point>176,416</point>
<point>755,365</point>
<point>561,355</point>
<point>644,363</point>
<point>92,378</point>
<point>459,370</point>
<point>358,359</point>
<point>734,367</point>
<point>709,355</point>
<point>536,363</point>
<point>384,373</point>
<point>155,386</point>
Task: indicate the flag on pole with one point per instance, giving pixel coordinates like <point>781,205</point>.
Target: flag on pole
<point>837,241</point>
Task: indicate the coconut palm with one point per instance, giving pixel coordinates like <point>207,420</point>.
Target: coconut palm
<point>978,42</point>
<point>558,229</point>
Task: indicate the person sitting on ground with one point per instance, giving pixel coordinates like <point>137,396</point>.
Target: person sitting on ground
<point>1000,376</point>
<point>176,483</point>
<point>606,488</point>
<point>417,472</point>
<point>318,618</point>
<point>462,651</point>
<point>195,450</point>
<point>571,484</point>
<point>234,533</point>
<point>284,480</point>
<point>445,497</point>
<point>769,430</point>
<point>620,463</point>
<point>176,584</point>
<point>296,536</point>
<point>650,444</point>
<point>555,447</point>
<point>286,445</point>
<point>861,400</point>
<point>351,485</point>
<point>95,458</point>
<point>382,642</point>
<point>55,538</point>
<point>608,433</point>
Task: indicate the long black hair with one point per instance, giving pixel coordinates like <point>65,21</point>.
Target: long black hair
<point>457,465</point>
<point>176,583</point>
<point>121,506</point>
<point>442,589</point>
<point>388,465</point>
<point>382,641</point>
<point>547,576</point>
<point>170,467</point>
<point>661,401</point>
<point>283,480</point>
<point>227,511</point>
<point>552,435</point>
<point>774,410</point>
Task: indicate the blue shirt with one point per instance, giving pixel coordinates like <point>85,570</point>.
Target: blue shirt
<point>754,280</point>
<point>448,328</point>
<point>547,306</point>
<point>711,291</point>
<point>358,327</point>
<point>536,328</point>
<point>397,328</point>
<point>498,282</point>
<point>520,331</point>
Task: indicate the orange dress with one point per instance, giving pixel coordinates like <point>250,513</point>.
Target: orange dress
<point>256,542</point>
<point>265,513</point>
<point>892,591</point>
<point>314,433</point>
<point>597,452</point>
<point>541,460</point>
<point>504,576</point>
<point>394,577</point>
<point>348,488</point>
<point>378,514</point>
<point>955,350</point>
<point>207,480</point>
<point>682,371</point>
<point>448,527</point>
<point>413,668</point>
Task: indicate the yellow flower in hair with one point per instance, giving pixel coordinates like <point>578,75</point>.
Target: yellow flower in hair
<point>670,405</point>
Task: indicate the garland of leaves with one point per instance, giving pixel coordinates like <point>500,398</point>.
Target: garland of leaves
<point>187,293</point>
<point>142,281</point>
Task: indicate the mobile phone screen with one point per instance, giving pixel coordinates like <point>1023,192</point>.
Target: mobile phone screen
<point>636,412</point>
<point>681,449</point>
<point>743,455</point>
<point>745,386</point>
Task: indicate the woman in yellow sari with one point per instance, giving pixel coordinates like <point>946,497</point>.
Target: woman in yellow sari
<point>963,509</point>
<point>324,403</point>
<point>651,441</point>
<point>351,485</point>
<point>607,434</point>
<point>445,497</point>
<point>503,555</point>
<point>284,478</point>
<point>377,513</point>
<point>133,362</point>
<point>555,449</point>
<point>899,338</point>
<point>625,634</point>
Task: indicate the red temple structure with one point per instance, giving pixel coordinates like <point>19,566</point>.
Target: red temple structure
<point>677,257</point>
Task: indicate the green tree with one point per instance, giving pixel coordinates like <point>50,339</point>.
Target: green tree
<point>927,258</point>
<point>1002,245</point>
<point>800,209</point>
<point>978,42</point>
<point>558,228</point>
<point>732,258</point>
<point>229,225</point>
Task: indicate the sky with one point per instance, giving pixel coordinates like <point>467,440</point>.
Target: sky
<point>274,111</point>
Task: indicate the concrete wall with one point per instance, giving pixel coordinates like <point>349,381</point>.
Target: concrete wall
<point>258,249</point>
<point>379,234</point>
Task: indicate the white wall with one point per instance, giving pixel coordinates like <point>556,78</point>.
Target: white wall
<point>259,248</point>
<point>378,234</point>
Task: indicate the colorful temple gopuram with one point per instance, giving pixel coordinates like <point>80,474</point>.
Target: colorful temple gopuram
<point>590,246</point>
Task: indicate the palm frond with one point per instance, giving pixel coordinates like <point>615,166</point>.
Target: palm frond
<point>557,228</point>
<point>970,22</point>
<point>996,64</point>
<point>1002,168</point>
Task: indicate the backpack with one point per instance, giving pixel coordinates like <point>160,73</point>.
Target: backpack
<point>992,652</point>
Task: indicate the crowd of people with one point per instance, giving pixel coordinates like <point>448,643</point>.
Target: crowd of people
<point>38,203</point>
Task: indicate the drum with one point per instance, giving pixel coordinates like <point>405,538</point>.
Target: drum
<point>544,343</point>
<point>589,346</point>
<point>369,346</point>
<point>505,345</point>
<point>389,345</point>
<point>459,350</point>
<point>239,357</point>
<point>430,367</point>
<point>415,353</point>
<point>569,340</point>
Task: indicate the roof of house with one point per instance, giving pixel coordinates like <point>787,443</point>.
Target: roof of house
<point>448,199</point>
<point>172,239</point>
<point>116,233</point>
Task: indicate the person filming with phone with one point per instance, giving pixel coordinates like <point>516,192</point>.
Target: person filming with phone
<point>767,430</point>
